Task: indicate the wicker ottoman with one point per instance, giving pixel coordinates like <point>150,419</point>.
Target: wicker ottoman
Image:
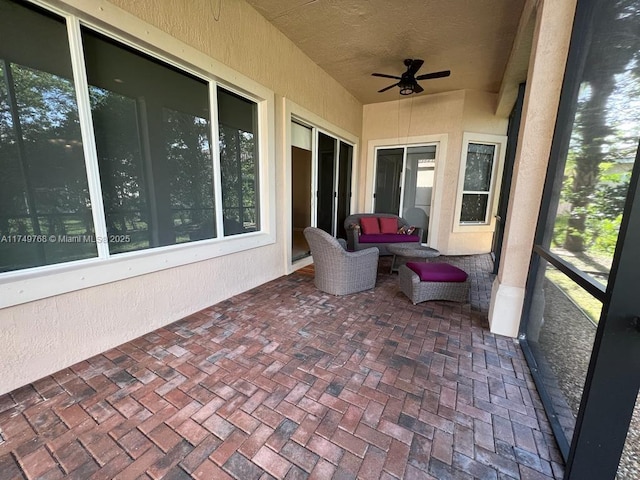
<point>433,281</point>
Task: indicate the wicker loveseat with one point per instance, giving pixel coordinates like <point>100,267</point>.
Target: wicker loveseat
<point>358,239</point>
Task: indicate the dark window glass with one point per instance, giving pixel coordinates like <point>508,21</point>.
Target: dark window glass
<point>477,182</point>
<point>477,175</point>
<point>45,211</point>
<point>474,207</point>
<point>152,125</point>
<point>237,117</point>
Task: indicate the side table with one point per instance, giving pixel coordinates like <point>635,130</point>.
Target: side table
<point>410,250</point>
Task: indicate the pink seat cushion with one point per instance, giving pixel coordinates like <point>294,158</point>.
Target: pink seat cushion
<point>369,225</point>
<point>388,225</point>
<point>438,272</point>
<point>387,238</point>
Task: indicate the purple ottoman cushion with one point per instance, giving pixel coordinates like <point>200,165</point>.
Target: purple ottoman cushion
<point>438,272</point>
<point>387,238</point>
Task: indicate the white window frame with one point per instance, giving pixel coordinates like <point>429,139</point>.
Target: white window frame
<point>500,142</point>
<point>22,286</point>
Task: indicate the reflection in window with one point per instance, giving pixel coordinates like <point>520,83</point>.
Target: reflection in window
<point>121,164</point>
<point>151,125</point>
<point>151,122</point>
<point>477,183</point>
<point>238,163</point>
<point>45,211</point>
<point>191,175</point>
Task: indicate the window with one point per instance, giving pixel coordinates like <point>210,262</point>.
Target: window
<point>152,131</point>
<point>44,193</point>
<point>238,163</point>
<point>151,181</point>
<point>481,163</point>
<point>477,183</point>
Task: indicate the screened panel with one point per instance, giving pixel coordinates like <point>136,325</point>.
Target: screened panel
<point>598,165</point>
<point>561,331</point>
<point>45,211</point>
<point>592,159</point>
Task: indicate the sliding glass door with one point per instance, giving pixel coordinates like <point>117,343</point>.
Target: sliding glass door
<point>327,160</point>
<point>404,183</point>
<point>301,187</point>
<point>321,182</point>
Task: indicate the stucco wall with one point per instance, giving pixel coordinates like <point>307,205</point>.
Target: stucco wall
<point>449,114</point>
<point>544,82</point>
<point>41,337</point>
<point>242,39</point>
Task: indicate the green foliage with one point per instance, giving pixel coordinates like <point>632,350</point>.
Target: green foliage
<point>560,230</point>
<point>606,237</point>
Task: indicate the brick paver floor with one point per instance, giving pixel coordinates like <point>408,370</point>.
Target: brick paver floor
<point>287,382</point>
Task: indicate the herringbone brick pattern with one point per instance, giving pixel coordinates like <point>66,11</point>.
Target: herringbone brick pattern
<point>287,382</point>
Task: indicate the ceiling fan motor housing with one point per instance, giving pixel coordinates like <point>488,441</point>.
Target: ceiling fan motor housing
<point>408,82</point>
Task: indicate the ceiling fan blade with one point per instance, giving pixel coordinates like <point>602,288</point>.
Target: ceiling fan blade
<point>417,89</point>
<point>387,88</point>
<point>414,66</point>
<point>426,76</point>
<point>385,75</point>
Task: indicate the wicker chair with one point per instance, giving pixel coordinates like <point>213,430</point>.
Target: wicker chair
<point>338,271</point>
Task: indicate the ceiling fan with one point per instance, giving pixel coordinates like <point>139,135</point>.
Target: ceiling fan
<point>408,82</point>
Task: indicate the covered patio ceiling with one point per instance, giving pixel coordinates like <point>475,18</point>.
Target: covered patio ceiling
<point>486,45</point>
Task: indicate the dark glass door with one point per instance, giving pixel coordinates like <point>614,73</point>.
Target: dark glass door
<point>344,187</point>
<point>388,176</point>
<point>327,149</point>
<point>418,186</point>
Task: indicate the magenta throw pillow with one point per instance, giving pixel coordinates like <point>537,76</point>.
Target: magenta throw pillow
<point>369,225</point>
<point>438,272</point>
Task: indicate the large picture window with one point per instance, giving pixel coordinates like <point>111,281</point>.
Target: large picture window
<point>149,178</point>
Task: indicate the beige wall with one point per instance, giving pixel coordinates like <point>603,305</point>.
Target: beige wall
<point>409,120</point>
<point>246,42</point>
<point>44,336</point>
